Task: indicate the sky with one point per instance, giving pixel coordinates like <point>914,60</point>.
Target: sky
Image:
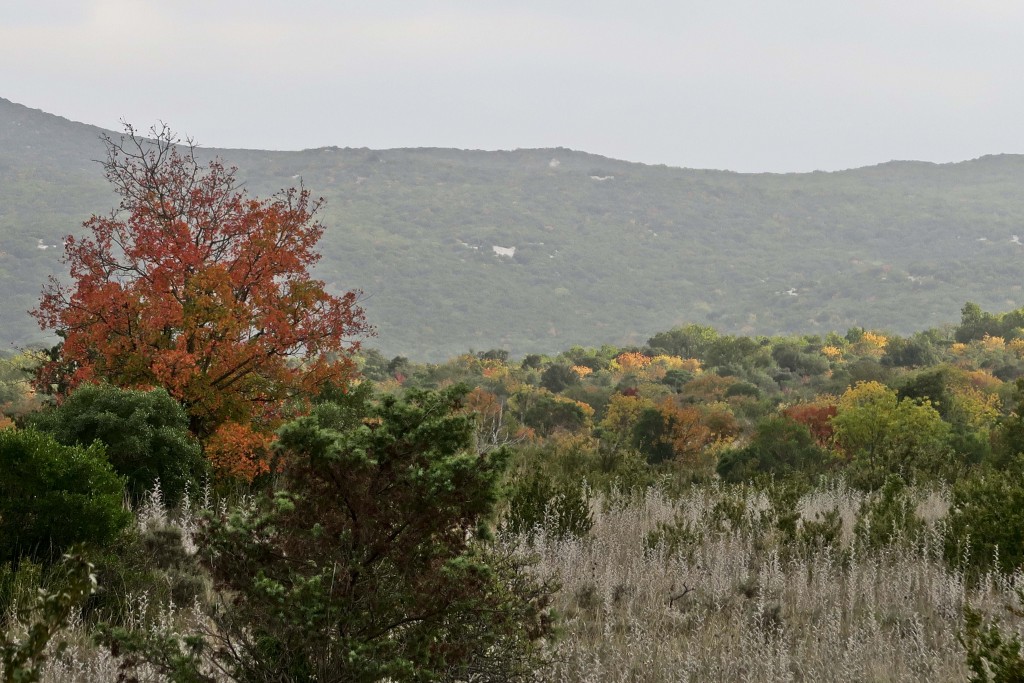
<point>743,85</point>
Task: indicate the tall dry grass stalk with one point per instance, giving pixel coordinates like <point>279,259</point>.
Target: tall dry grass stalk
<point>730,604</point>
<point>82,660</point>
<point>728,601</point>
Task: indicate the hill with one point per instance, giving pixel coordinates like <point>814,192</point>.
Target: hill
<point>604,250</point>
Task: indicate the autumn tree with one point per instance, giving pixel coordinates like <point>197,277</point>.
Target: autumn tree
<point>816,416</point>
<point>621,418</point>
<point>681,433</point>
<point>193,285</point>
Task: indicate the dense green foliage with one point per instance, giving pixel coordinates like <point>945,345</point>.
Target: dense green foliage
<point>367,551</point>
<point>54,496</point>
<point>781,447</point>
<point>389,534</point>
<point>145,434</point>
<point>368,559</point>
<point>986,519</point>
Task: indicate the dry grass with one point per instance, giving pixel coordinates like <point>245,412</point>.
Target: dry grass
<point>83,661</point>
<point>728,607</point>
<point>731,602</point>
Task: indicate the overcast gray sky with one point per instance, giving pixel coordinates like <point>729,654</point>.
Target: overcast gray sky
<point>747,85</point>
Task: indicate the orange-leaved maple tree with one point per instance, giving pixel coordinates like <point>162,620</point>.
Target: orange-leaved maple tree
<point>193,285</point>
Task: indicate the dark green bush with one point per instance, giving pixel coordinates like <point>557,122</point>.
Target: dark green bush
<point>560,509</point>
<point>368,562</point>
<point>557,377</point>
<point>53,496</point>
<point>987,514</point>
<point>780,447</point>
<point>145,433</point>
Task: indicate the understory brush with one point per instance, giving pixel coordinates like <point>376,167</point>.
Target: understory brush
<point>722,584</point>
<point>148,582</point>
<point>715,583</point>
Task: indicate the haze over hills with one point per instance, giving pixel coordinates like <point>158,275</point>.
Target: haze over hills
<point>604,250</point>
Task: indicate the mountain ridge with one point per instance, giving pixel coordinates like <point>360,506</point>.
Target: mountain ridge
<point>607,251</point>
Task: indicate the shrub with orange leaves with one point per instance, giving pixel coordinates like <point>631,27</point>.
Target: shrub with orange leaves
<point>686,431</point>
<point>494,369</point>
<point>488,413</point>
<point>833,353</point>
<point>582,370</point>
<point>238,451</point>
<point>871,344</point>
<point>630,361</point>
<point>816,416</point>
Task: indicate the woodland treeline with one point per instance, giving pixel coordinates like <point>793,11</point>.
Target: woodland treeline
<point>938,407</point>
<point>886,414</point>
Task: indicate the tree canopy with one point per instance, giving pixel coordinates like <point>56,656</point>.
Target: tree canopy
<point>192,285</point>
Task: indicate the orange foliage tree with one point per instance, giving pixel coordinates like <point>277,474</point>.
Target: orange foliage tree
<point>193,285</point>
<point>817,417</point>
<point>686,431</point>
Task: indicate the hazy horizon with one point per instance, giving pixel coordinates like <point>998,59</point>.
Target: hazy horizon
<point>738,85</point>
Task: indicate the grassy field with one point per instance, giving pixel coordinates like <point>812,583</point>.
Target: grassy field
<point>728,600</point>
<point>718,583</point>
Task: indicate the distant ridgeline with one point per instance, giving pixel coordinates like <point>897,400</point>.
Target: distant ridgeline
<point>535,250</point>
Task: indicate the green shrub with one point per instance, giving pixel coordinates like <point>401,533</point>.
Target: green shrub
<point>50,612</point>
<point>369,562</point>
<point>780,447</point>
<point>986,518</point>
<point>888,515</point>
<point>993,654</point>
<point>560,509</point>
<point>153,562</point>
<point>53,496</point>
<point>145,433</point>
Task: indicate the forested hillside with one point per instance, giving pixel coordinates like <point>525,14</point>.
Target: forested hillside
<point>605,251</point>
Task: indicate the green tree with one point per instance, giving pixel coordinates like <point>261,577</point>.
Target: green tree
<point>986,516</point>
<point>54,496</point>
<point>793,357</point>
<point>557,377</point>
<point>689,341</point>
<point>145,433</point>
<point>975,323</point>
<point>545,412</point>
<point>781,446</point>
<point>370,560</point>
<point>912,352</point>
<point>883,434</point>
